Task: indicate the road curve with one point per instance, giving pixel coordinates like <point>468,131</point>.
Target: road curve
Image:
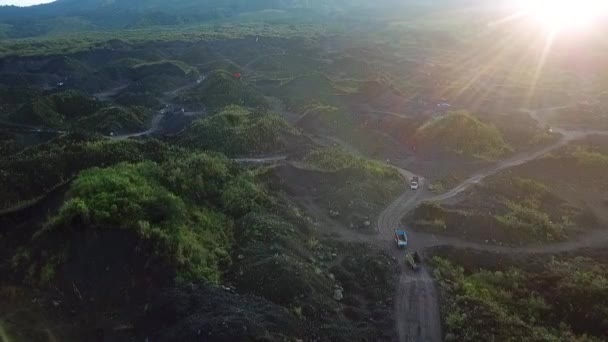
<point>155,123</point>
<point>417,302</point>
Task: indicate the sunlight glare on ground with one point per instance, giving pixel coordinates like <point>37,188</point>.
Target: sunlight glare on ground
<point>562,15</point>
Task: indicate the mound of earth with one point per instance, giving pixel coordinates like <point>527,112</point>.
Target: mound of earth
<point>32,173</point>
<point>460,133</point>
<point>193,312</point>
<point>165,68</point>
<point>580,117</point>
<point>508,210</point>
<point>237,131</point>
<point>71,109</point>
<point>221,89</point>
<point>352,192</point>
<point>54,110</point>
<point>301,91</point>
<point>124,256</point>
<point>519,129</point>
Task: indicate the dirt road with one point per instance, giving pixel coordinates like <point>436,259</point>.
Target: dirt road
<point>155,123</point>
<point>417,308</point>
<point>416,304</point>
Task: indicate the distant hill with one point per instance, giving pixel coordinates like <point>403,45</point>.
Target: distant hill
<point>81,15</point>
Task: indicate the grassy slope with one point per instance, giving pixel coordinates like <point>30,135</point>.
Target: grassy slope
<point>462,133</point>
<point>507,209</point>
<point>237,131</point>
<point>74,110</point>
<point>221,89</point>
<point>564,301</point>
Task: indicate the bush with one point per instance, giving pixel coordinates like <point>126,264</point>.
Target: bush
<point>241,196</point>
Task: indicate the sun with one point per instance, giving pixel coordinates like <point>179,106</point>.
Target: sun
<point>560,15</point>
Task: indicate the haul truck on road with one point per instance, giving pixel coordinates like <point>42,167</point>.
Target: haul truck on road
<point>414,183</point>
<point>400,238</point>
<point>413,260</point>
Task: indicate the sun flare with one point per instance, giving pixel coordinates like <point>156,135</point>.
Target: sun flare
<point>560,15</point>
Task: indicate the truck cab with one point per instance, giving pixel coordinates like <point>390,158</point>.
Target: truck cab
<point>400,238</point>
<point>414,183</point>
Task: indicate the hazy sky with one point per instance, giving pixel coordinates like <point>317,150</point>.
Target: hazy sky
<point>23,2</point>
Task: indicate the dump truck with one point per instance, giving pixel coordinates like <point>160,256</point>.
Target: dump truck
<point>413,260</point>
<point>414,183</point>
<point>400,238</point>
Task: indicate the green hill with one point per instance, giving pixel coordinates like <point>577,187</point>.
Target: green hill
<point>221,89</point>
<point>57,109</point>
<point>462,133</point>
<point>72,109</point>
<point>237,131</point>
<point>165,67</point>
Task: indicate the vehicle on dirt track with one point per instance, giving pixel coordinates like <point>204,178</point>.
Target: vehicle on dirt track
<point>413,260</point>
<point>414,183</point>
<point>400,238</point>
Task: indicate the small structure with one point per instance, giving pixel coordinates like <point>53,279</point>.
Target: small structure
<point>237,75</point>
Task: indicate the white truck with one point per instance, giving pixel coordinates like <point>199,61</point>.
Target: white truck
<point>414,183</point>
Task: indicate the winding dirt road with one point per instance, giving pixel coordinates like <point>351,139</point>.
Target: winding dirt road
<point>155,123</point>
<point>417,303</point>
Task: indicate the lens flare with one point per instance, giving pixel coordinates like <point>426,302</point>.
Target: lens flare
<point>560,15</point>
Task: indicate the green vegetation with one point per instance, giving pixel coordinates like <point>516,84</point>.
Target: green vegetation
<point>280,259</point>
<point>507,209</point>
<point>69,43</point>
<point>535,210</point>
<point>352,189</point>
<point>177,206</point>
<point>238,131</point>
<point>564,302</point>
<point>71,109</point>
<point>588,157</point>
<point>300,90</point>
<point>34,171</point>
<point>519,129</point>
<point>464,134</point>
<point>54,110</point>
<point>139,215</point>
<point>327,119</point>
<point>12,97</point>
<point>332,159</point>
<point>221,89</point>
<point>531,221</point>
<point>166,68</point>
